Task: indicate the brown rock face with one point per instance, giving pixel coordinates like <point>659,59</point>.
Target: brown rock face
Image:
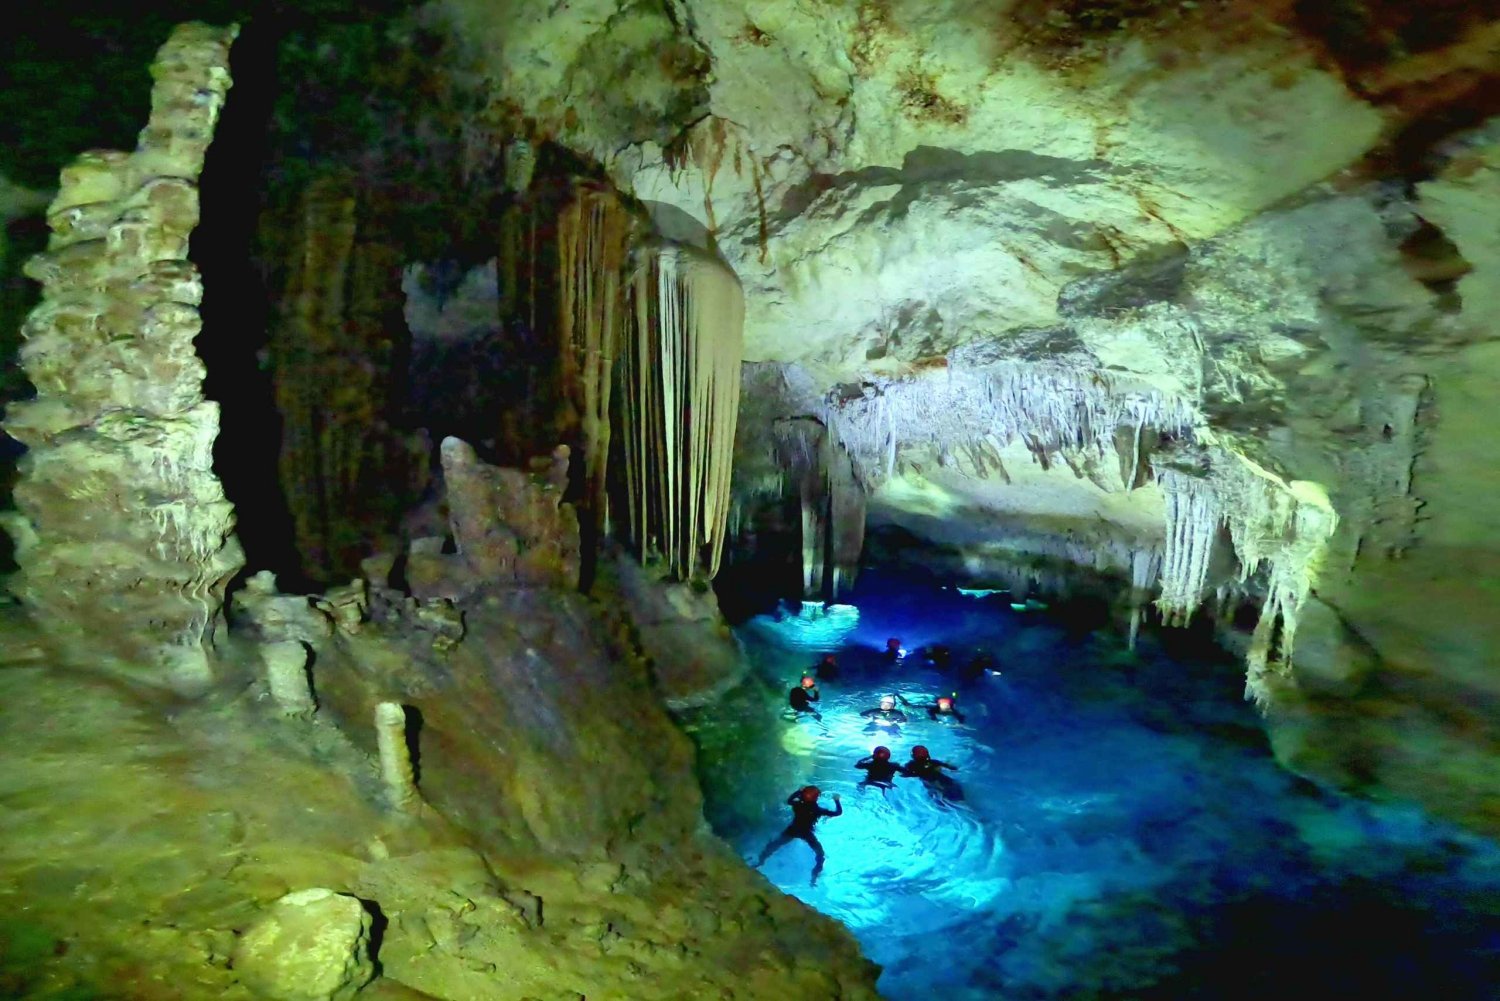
<point>122,529</point>
<point>510,527</point>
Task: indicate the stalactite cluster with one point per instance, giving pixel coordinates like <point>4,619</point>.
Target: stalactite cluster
<point>1059,412</point>
<point>593,239</point>
<point>681,385</point>
<point>123,531</point>
<point>347,473</point>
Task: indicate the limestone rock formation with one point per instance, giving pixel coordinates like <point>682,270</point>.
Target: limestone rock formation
<point>312,945</point>
<point>123,532</point>
<point>347,472</point>
<point>510,528</point>
<point>1193,295</point>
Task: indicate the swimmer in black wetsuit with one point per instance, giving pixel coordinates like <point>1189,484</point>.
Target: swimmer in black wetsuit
<point>827,669</point>
<point>887,713</point>
<point>893,651</point>
<point>802,697</point>
<point>930,770</point>
<point>879,769</point>
<point>805,814</point>
<point>943,707</point>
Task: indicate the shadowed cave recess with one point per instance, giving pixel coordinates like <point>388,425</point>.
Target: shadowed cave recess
<point>439,437</point>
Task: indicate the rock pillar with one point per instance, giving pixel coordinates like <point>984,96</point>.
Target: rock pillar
<point>122,531</point>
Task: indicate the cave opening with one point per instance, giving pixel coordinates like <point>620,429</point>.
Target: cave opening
<point>1119,827</point>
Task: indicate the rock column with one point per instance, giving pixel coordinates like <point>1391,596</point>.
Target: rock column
<point>122,529</point>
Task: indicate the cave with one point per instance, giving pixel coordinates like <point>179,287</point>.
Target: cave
<point>530,501</point>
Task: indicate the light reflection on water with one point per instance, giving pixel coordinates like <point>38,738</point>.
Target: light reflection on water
<point>1124,832</point>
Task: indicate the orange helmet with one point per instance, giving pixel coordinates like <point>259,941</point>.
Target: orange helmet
<point>945,704</point>
<point>882,754</point>
<point>807,681</point>
<point>810,794</point>
<point>920,753</point>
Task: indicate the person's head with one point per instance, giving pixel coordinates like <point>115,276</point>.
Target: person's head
<point>945,704</point>
<point>810,794</point>
<point>808,682</point>
<point>920,753</point>
<point>882,754</point>
<point>887,702</point>
<point>893,644</point>
<point>827,659</point>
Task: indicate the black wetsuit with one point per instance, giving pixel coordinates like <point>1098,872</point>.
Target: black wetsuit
<point>931,771</point>
<point>878,772</point>
<point>826,670</point>
<point>933,711</point>
<point>885,715</point>
<point>805,816</point>
<point>801,700</point>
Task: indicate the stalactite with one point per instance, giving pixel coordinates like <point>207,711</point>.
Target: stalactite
<point>1193,521</point>
<point>681,380</point>
<point>1057,410</point>
<point>593,233</point>
<point>347,474</point>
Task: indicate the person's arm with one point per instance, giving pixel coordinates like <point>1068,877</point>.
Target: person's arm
<point>902,699</point>
<point>792,799</point>
<point>932,712</point>
<point>898,716</point>
<point>838,807</point>
<point>944,764</point>
<point>865,762</point>
<point>959,716</point>
<point>813,696</point>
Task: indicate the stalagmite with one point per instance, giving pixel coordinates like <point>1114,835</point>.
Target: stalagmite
<point>122,530</point>
<point>286,677</point>
<point>681,380</point>
<point>395,756</point>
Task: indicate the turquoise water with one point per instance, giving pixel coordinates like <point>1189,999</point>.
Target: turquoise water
<point>1123,831</point>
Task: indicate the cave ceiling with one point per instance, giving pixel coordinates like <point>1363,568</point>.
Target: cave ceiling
<point>1254,209</point>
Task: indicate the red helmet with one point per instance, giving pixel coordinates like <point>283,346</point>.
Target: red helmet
<point>810,794</point>
<point>827,658</point>
<point>945,704</point>
<point>807,681</point>
<point>894,643</point>
<point>920,753</point>
<point>882,754</point>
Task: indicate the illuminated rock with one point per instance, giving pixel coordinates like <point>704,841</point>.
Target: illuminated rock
<point>122,532</point>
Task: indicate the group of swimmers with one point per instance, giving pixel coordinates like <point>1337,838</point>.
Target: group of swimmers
<point>879,767</point>
<point>880,771</point>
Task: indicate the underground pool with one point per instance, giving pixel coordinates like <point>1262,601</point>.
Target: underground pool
<point>1123,830</point>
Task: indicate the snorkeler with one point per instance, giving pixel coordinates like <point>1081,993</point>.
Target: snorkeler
<point>827,669</point>
<point>945,706</point>
<point>887,713</point>
<point>930,770</point>
<point>802,697</point>
<point>805,814</point>
<point>879,769</point>
<point>893,651</point>
<point>937,656</point>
